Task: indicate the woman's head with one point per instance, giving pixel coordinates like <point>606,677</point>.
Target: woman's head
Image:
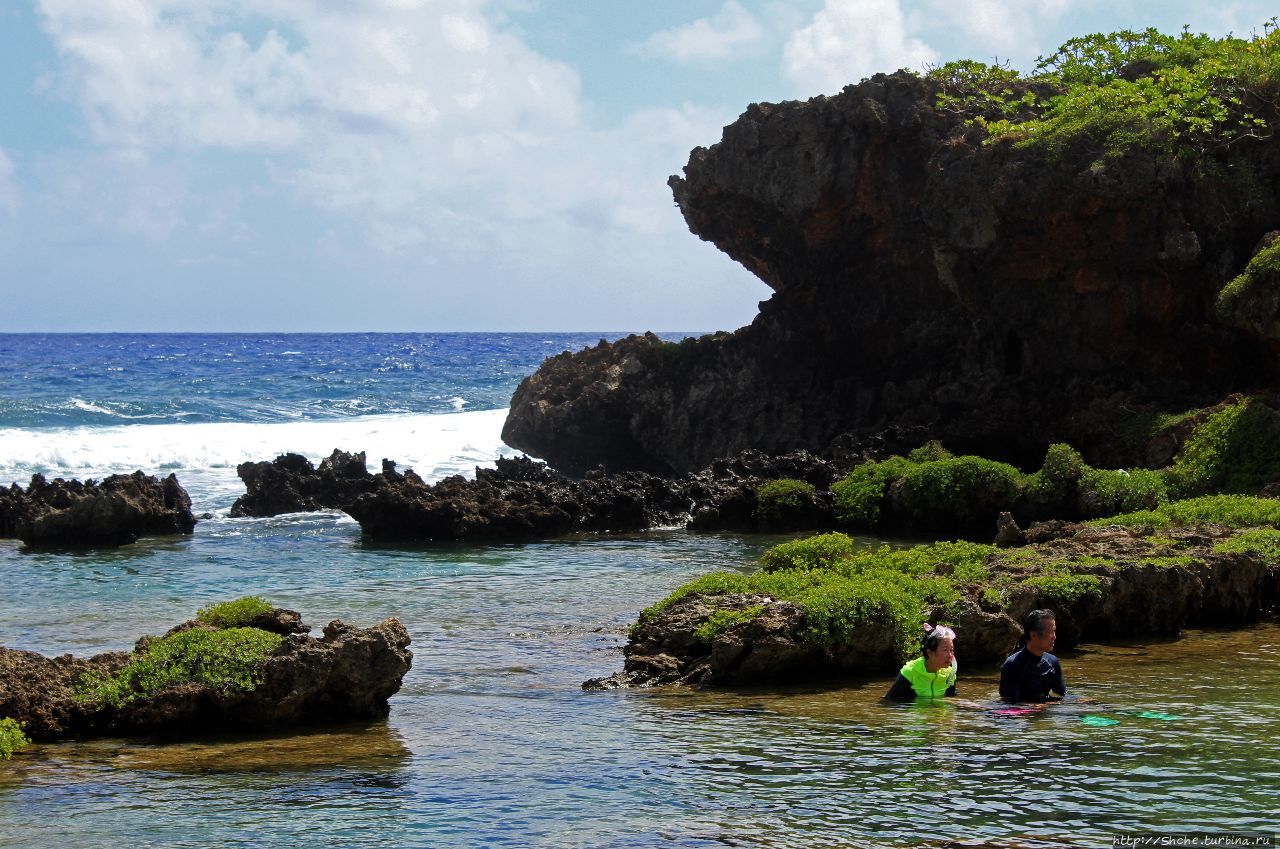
<point>938,646</point>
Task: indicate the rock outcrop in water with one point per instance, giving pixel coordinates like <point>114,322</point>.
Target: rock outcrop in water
<point>996,299</point>
<point>523,499</point>
<point>1147,584</point>
<point>349,673</point>
<point>290,484</point>
<point>119,510</point>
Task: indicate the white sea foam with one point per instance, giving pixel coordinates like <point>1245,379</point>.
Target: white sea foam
<point>205,456</point>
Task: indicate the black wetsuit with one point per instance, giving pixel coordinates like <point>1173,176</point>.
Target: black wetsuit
<point>1027,678</point>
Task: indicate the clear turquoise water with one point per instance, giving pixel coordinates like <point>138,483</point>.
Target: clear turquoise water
<point>491,742</point>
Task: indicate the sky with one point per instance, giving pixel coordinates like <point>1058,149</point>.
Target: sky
<point>427,165</point>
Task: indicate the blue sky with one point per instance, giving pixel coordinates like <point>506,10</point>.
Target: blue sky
<point>206,165</point>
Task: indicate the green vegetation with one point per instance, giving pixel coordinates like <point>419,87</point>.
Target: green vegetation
<point>1112,94</point>
<point>1236,450</point>
<point>1265,542</point>
<point>861,494</point>
<point>1065,590</point>
<point>1264,266</point>
<point>957,490</point>
<point>226,660</point>
<point>1235,511</point>
<point>780,500</point>
<point>235,614</point>
<point>723,620</point>
<point>842,590</point>
<point>11,738</point>
<point>817,552</point>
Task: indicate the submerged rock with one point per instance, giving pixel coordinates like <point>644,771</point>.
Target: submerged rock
<point>349,673</point>
<point>119,510</point>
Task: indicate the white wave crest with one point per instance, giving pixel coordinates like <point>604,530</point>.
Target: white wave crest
<point>204,456</point>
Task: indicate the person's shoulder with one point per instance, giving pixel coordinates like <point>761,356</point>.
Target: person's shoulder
<point>910,667</point>
<point>1015,658</point>
<point>1052,658</point>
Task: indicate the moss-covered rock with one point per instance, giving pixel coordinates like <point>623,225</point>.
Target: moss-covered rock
<point>823,606</point>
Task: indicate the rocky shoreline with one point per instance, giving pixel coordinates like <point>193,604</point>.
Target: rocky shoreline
<point>348,673</point>
<point>1103,581</point>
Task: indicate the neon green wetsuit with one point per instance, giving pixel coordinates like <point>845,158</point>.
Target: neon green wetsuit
<point>914,679</point>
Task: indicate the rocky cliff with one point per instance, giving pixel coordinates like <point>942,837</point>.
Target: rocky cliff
<point>988,295</point>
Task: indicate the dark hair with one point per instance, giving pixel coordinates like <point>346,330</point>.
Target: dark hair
<point>933,636</point>
<point>1034,621</point>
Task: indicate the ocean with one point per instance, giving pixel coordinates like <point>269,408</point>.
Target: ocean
<point>492,741</point>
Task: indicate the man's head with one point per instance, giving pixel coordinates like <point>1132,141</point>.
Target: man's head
<point>1040,629</point>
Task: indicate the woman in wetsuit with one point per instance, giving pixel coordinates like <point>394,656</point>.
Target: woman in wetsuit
<point>933,674</point>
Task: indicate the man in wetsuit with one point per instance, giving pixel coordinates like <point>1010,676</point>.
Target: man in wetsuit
<point>1030,674</point>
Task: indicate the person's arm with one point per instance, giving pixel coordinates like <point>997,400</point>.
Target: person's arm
<point>901,691</point>
<point>1060,686</point>
<point>951,691</point>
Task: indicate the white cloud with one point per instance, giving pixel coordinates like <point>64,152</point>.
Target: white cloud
<point>848,40</point>
<point>462,157</point>
<point>730,33</point>
<point>1006,29</point>
<point>8,189</point>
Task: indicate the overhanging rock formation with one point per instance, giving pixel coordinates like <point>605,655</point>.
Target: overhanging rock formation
<point>996,299</point>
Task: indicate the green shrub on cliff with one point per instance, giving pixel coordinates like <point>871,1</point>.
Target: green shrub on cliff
<point>226,660</point>
<point>1264,266</point>
<point>1236,450</point>
<point>11,738</point>
<point>1127,90</point>
<point>235,614</point>
<point>780,500</point>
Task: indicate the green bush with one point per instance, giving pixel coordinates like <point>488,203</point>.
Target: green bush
<point>843,590</point>
<point>779,500</point>
<point>816,552</point>
<point>1058,480</point>
<point>1105,492</point>
<point>234,614</point>
<point>226,660</point>
<point>860,495</point>
<point>1112,94</point>
<point>1264,542</point>
<point>1236,450</point>
<point>1264,266</point>
<point>959,490</point>
<point>11,738</point>
<point>1065,590</point>
<point>1235,511</point>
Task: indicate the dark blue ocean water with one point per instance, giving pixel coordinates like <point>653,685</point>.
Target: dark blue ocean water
<point>491,741</point>
<point>67,380</point>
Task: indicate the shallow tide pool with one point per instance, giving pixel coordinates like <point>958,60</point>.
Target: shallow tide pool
<point>492,742</point>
